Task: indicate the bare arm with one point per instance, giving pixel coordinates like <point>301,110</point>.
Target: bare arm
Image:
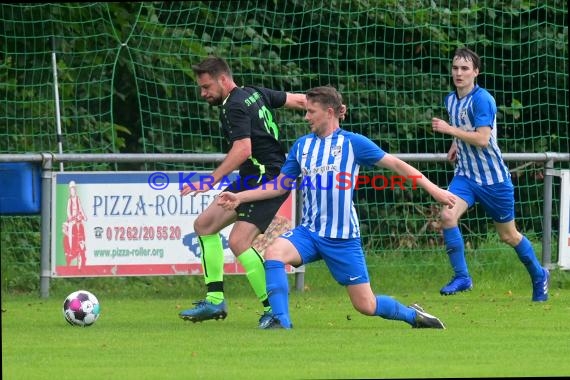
<point>240,151</point>
<point>238,154</point>
<point>272,189</point>
<point>299,102</point>
<point>452,152</point>
<point>479,137</point>
<point>404,169</point>
<point>296,101</point>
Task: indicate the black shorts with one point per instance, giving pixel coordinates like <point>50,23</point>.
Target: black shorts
<point>258,213</point>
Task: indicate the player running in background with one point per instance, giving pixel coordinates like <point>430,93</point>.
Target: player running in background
<point>329,228</point>
<point>248,122</point>
<point>480,175</point>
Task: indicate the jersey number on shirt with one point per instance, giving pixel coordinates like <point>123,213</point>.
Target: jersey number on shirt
<point>270,126</point>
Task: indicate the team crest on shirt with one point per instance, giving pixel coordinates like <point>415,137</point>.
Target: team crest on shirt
<point>336,150</point>
<point>463,114</point>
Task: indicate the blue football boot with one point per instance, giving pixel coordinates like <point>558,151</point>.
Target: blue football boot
<point>540,288</point>
<point>456,285</point>
<point>205,310</point>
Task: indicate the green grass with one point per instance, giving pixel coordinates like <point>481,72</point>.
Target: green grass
<point>492,331</point>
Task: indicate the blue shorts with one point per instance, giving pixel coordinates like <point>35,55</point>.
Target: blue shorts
<point>498,199</point>
<point>344,257</point>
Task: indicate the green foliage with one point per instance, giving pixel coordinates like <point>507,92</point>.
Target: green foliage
<point>20,258</point>
<point>125,83</point>
<point>390,59</point>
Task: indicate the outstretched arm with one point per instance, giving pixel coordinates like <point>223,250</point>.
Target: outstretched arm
<point>299,102</point>
<point>271,189</point>
<point>395,164</point>
<point>296,101</point>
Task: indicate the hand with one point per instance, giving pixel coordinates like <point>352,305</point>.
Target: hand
<point>452,153</point>
<point>445,198</point>
<point>440,126</point>
<point>195,188</point>
<point>228,201</point>
<point>342,112</point>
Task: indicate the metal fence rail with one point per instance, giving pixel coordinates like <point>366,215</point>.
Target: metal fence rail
<point>48,160</point>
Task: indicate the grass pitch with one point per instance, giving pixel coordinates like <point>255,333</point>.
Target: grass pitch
<point>492,331</point>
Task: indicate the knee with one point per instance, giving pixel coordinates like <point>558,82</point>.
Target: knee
<point>511,238</point>
<point>448,218</point>
<point>238,244</point>
<point>273,252</point>
<point>199,227</point>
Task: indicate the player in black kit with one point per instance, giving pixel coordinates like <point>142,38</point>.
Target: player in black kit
<point>248,122</point>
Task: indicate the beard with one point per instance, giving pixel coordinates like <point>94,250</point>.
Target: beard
<point>215,101</point>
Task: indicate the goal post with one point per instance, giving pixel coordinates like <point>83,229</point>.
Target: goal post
<point>564,235</point>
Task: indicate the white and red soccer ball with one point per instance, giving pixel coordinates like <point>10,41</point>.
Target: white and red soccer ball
<point>81,308</point>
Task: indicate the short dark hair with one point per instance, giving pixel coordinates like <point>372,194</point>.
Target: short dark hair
<point>327,96</point>
<point>468,55</point>
<point>214,66</point>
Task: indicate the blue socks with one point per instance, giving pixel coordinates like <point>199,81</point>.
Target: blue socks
<point>526,255</point>
<point>389,308</point>
<point>455,249</point>
<point>278,290</point>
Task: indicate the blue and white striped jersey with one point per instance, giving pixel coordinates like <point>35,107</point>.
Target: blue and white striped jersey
<point>477,109</point>
<point>329,167</point>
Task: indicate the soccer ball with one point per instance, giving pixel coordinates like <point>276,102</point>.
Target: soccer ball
<point>81,308</point>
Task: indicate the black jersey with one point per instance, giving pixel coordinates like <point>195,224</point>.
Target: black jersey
<point>248,112</point>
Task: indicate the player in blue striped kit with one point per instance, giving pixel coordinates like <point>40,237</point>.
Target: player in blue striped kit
<point>329,228</point>
<point>480,175</point>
